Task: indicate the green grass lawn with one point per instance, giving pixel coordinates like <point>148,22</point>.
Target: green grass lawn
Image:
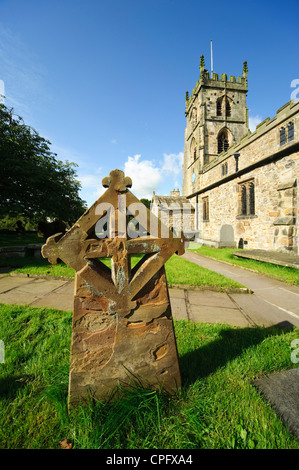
<point>8,239</point>
<point>218,406</point>
<point>178,270</point>
<point>290,275</point>
<point>182,271</point>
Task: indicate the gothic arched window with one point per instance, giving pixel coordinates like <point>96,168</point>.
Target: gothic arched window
<point>247,198</point>
<point>282,136</point>
<point>290,131</point>
<point>223,106</point>
<point>223,143</point>
<point>205,208</point>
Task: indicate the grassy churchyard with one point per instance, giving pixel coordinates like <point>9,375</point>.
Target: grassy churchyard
<point>218,406</point>
<point>289,275</point>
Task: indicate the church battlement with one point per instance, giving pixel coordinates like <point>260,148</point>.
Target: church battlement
<point>216,118</point>
<point>212,80</point>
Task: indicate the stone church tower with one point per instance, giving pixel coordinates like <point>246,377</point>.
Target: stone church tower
<point>217,117</point>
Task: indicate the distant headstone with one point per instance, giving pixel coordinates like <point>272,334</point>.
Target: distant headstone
<point>227,237</point>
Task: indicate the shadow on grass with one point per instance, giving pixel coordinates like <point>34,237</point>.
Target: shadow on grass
<point>201,362</point>
<point>10,385</point>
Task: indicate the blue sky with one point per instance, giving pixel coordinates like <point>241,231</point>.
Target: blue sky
<point>105,81</point>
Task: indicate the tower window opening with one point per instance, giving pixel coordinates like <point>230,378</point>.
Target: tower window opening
<point>223,143</point>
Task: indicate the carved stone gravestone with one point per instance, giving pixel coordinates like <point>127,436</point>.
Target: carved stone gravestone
<point>122,322</point>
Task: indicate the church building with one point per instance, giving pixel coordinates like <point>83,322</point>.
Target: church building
<point>243,184</point>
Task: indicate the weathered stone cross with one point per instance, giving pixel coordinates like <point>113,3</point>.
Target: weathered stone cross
<point>122,322</point>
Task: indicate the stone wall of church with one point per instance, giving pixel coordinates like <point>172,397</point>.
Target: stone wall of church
<point>274,224</point>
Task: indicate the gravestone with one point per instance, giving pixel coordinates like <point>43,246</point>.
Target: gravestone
<point>227,237</point>
<point>122,330</point>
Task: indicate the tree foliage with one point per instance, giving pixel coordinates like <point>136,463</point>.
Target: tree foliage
<point>146,202</point>
<point>34,183</point>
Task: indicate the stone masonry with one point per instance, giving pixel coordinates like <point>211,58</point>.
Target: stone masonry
<point>175,211</point>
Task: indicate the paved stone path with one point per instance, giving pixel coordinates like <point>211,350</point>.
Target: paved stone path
<point>192,305</point>
<point>272,303</point>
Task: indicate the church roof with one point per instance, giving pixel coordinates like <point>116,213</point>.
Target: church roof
<point>168,200</point>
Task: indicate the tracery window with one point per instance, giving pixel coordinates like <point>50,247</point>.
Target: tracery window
<point>247,198</point>
<point>205,208</point>
<point>290,131</point>
<point>223,142</point>
<point>223,106</point>
<point>282,135</point>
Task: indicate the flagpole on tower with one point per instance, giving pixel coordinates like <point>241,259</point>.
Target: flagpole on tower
<point>211,56</point>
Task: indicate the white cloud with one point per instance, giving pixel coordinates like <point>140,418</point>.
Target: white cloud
<point>89,181</point>
<point>254,121</point>
<point>148,177</point>
<point>172,163</point>
<point>145,176</point>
